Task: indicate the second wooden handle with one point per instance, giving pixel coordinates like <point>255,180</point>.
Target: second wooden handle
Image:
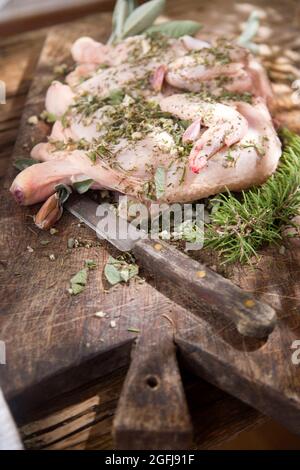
<point>251,317</point>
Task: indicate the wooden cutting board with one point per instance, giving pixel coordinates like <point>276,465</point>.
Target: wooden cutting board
<point>55,342</point>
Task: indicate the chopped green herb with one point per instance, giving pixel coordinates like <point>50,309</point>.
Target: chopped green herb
<point>189,231</point>
<point>44,242</point>
<point>80,277</point>
<point>83,186</point>
<point>63,192</point>
<point>71,243</point>
<point>118,270</point>
<point>90,264</point>
<point>48,117</point>
<point>65,121</point>
<point>76,289</point>
<point>159,180</point>
<point>22,163</point>
<point>115,97</point>
<point>79,281</point>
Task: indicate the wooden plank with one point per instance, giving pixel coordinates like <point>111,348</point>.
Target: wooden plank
<point>59,318</point>
<point>15,63</point>
<point>16,9</point>
<point>152,412</point>
<point>83,419</point>
<point>20,16</point>
<point>251,317</point>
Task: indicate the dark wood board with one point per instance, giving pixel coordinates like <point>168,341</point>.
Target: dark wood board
<point>54,341</point>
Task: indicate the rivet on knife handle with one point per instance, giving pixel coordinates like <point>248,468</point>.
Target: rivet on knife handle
<point>251,317</point>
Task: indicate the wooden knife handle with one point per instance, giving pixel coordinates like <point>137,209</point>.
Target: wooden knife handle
<point>251,317</point>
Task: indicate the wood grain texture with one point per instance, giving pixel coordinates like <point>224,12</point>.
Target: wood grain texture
<point>19,16</point>
<point>83,419</point>
<point>48,335</point>
<point>152,412</point>
<point>251,317</point>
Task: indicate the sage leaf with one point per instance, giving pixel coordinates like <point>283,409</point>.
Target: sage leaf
<point>132,4</point>
<point>159,180</point>
<point>22,163</point>
<point>120,14</point>
<point>133,270</point>
<point>48,117</point>
<point>90,264</point>
<point>83,186</point>
<point>124,274</point>
<point>142,17</point>
<point>176,29</point>
<point>77,288</point>
<point>250,30</point>
<point>115,97</point>
<point>63,192</point>
<point>45,242</point>
<point>112,274</point>
<point>80,277</point>
<point>118,270</point>
<point>79,280</point>
<point>71,243</point>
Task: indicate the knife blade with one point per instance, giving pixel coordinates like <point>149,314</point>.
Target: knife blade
<point>251,317</point>
<point>98,216</point>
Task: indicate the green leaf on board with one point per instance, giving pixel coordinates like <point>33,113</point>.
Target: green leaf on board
<point>78,281</point>
<point>80,277</point>
<point>90,264</point>
<point>118,270</point>
<point>76,289</point>
<point>112,274</point>
<point>48,117</point>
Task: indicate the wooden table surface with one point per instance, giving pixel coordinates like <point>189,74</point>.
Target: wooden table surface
<point>83,417</point>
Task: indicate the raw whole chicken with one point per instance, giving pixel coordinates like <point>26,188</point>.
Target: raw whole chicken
<point>194,112</point>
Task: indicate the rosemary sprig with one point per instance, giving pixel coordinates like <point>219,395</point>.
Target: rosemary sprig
<point>241,224</point>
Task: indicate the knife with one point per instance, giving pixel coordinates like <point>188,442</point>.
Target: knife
<point>250,316</point>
